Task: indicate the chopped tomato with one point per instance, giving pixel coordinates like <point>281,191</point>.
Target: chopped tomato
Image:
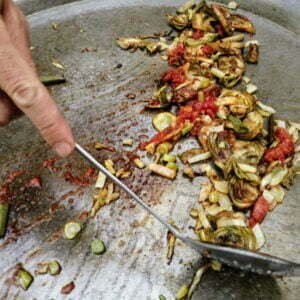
<point>197,34</point>
<point>259,211</point>
<point>49,164</point>
<point>284,149</point>
<point>207,50</point>
<point>175,55</point>
<point>174,77</point>
<point>89,173</point>
<point>35,182</point>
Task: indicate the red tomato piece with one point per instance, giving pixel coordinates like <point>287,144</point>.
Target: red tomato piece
<point>197,34</point>
<point>259,211</point>
<point>174,77</point>
<point>175,55</point>
<point>284,149</point>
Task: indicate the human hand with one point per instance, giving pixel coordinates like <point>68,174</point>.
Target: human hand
<point>21,91</point>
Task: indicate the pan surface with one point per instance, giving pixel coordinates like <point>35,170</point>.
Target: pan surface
<point>95,103</point>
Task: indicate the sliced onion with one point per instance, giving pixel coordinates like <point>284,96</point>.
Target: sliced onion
<point>223,222</point>
<point>280,123</point>
<point>204,192</point>
<point>247,168</point>
<point>100,181</point>
<point>274,178</point>
<point>266,108</point>
<point>225,202</point>
<point>259,236</point>
<point>199,157</point>
<point>203,219</point>
<point>162,170</point>
<point>221,186</point>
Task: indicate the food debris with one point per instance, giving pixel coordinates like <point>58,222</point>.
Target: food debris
<point>58,65</point>
<point>68,288</point>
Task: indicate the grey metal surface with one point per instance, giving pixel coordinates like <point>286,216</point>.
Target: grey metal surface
<point>94,100</point>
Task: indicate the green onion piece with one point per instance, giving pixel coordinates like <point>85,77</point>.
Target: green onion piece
<point>25,279</point>
<point>169,158</point>
<point>72,229</point>
<point>54,79</point>
<point>215,265</point>
<point>182,293</point>
<point>162,297</point>
<point>54,267</point>
<point>164,147</point>
<point>98,247</point>
<point>238,125</point>
<point>172,165</point>
<point>187,128</point>
<point>4,209</point>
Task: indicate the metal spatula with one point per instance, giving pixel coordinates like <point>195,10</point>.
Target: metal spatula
<point>234,257</point>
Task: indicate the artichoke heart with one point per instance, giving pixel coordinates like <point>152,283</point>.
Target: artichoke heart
<point>255,124</point>
<point>220,145</point>
<point>233,236</point>
<point>242,193</point>
<point>233,68</point>
<point>179,22</point>
<point>239,103</point>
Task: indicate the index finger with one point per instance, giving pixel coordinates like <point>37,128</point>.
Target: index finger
<point>22,85</point>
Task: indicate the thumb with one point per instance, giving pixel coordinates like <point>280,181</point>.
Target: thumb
<point>22,85</point>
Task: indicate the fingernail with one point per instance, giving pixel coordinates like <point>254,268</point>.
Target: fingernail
<point>63,149</point>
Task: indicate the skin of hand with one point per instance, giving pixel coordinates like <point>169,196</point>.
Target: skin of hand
<point>20,88</point>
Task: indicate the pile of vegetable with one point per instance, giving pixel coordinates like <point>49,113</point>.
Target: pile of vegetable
<point>248,156</point>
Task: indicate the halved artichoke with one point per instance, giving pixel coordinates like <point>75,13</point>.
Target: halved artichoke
<point>242,23</point>
<point>239,103</point>
<point>220,145</point>
<point>255,124</point>
<point>202,21</point>
<point>242,193</point>
<point>234,236</point>
<point>231,69</point>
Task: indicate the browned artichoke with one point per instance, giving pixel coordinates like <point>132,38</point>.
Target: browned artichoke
<point>239,103</point>
<point>234,236</point>
<point>242,193</point>
<point>179,22</point>
<point>254,122</point>
<point>242,23</point>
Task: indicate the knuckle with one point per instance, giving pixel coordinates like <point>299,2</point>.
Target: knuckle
<point>25,95</point>
<point>49,124</point>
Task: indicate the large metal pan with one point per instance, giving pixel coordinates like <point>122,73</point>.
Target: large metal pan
<point>94,101</point>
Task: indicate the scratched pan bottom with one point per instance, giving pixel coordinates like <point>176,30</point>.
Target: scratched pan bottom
<point>94,101</point>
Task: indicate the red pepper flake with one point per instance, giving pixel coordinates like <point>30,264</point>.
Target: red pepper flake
<point>68,288</point>
<point>197,34</point>
<point>284,149</point>
<point>75,179</point>
<point>14,175</point>
<point>35,182</point>
<point>175,55</point>
<point>259,211</point>
<point>49,164</point>
<point>174,77</point>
